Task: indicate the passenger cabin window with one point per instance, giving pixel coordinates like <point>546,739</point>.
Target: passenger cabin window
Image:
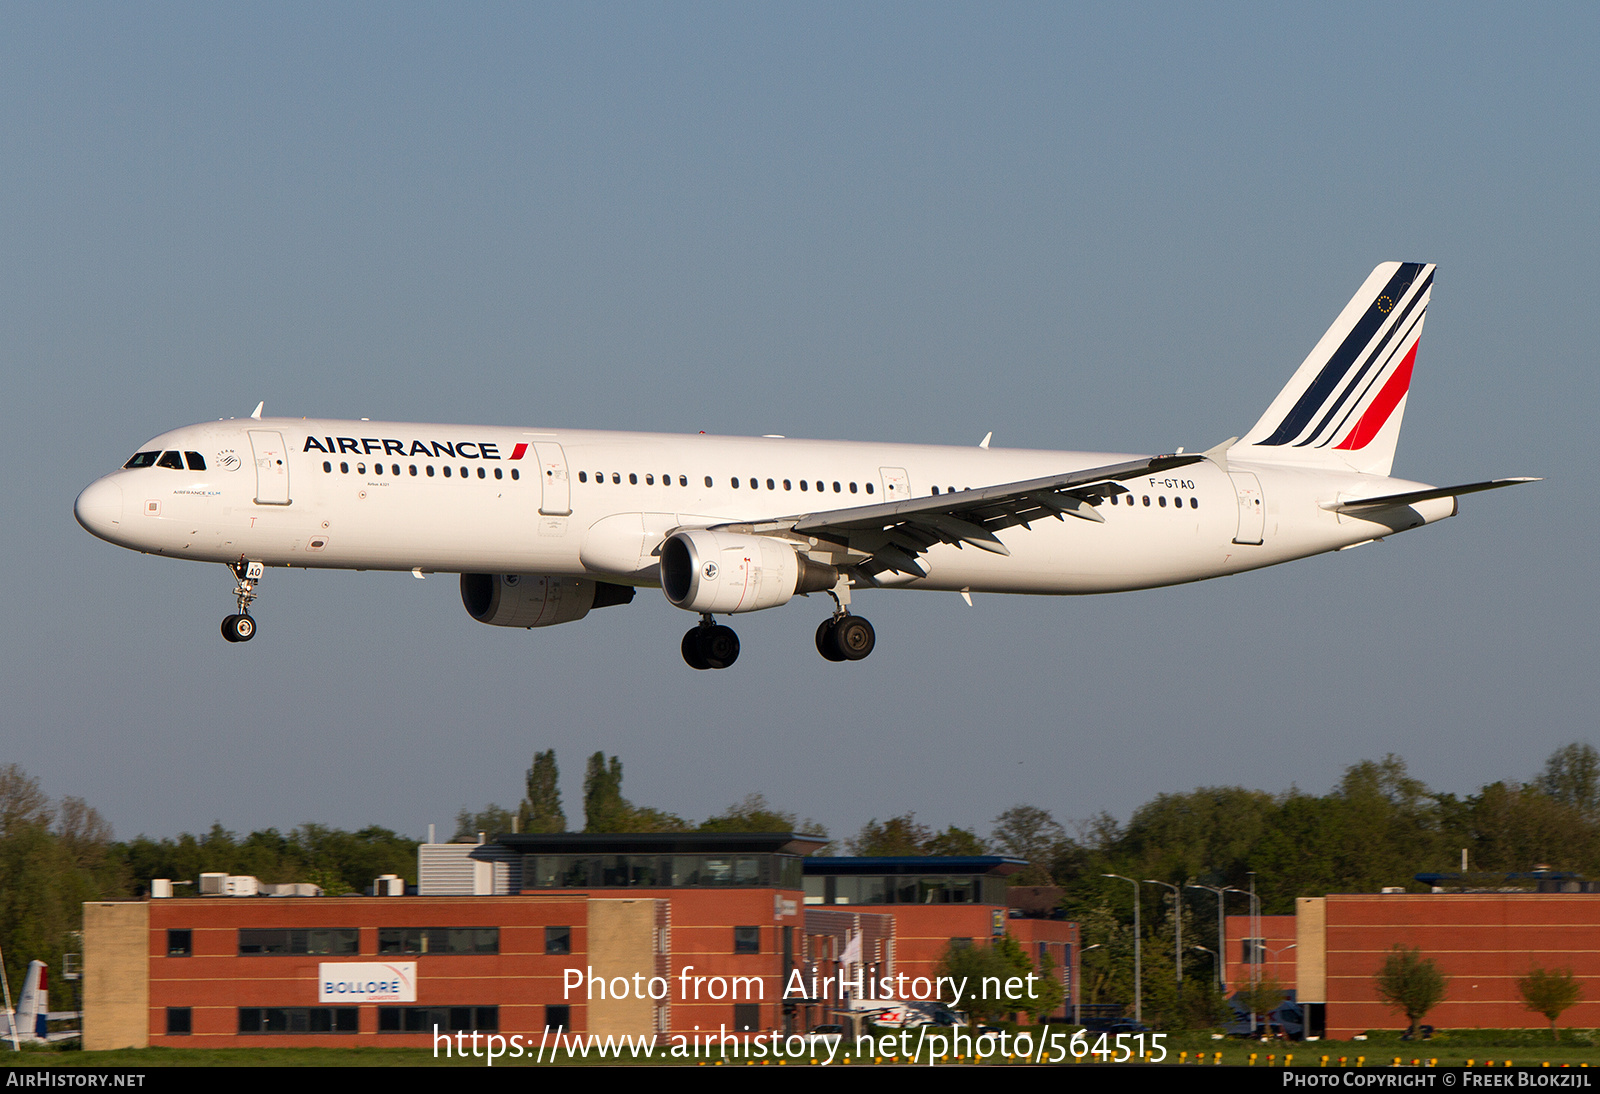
<point>172,460</point>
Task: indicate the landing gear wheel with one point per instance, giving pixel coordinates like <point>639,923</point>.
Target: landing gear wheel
<point>691,650</point>
<point>719,646</point>
<point>853,637</point>
<point>710,646</point>
<point>238,628</point>
<point>825,642</point>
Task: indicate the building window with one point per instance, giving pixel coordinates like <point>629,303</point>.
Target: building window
<point>297,1020</point>
<point>961,943</point>
<point>340,941</point>
<point>439,940</point>
<point>746,1017</point>
<point>180,944</point>
<point>558,1017</point>
<point>424,1019</point>
<point>1253,951</point>
<point>179,1022</point>
<point>558,940</point>
<point>747,940</point>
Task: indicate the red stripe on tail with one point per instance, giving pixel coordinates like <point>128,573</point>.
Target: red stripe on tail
<point>1378,413</point>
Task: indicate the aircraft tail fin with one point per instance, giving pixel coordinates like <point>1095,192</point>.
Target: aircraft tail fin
<point>33,1005</point>
<point>1343,406</point>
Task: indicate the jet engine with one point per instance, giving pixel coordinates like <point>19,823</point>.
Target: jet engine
<point>536,600</point>
<point>727,572</point>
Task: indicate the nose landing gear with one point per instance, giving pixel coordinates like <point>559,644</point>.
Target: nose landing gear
<point>710,645</point>
<point>242,627</point>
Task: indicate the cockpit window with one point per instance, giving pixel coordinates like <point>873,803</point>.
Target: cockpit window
<point>142,459</point>
<point>172,460</point>
<point>197,462</point>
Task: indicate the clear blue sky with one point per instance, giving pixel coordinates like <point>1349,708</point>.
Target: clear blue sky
<point>1113,227</point>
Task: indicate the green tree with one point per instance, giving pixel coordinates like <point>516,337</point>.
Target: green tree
<point>1571,776</point>
<point>51,861</point>
<point>1028,832</point>
<point>604,809</point>
<point>957,843</point>
<point>541,810</point>
<point>1262,997</point>
<point>1549,992</point>
<point>754,814</point>
<point>1049,991</point>
<point>1410,983</point>
<point>492,821</point>
<point>1203,1006</point>
<point>982,972</point>
<point>896,837</point>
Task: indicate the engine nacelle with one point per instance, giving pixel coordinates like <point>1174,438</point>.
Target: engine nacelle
<point>536,600</point>
<point>729,572</point>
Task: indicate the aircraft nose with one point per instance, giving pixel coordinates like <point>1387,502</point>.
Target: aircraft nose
<point>99,508</point>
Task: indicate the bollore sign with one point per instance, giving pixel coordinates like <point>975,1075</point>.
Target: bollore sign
<point>367,982</point>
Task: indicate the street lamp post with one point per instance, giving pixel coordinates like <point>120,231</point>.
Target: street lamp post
<point>1177,921</point>
<point>1222,932</point>
<point>1138,966</point>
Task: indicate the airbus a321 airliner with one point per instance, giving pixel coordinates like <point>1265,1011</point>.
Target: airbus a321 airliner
<point>545,525</point>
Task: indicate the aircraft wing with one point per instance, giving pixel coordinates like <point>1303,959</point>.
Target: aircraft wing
<point>889,536</point>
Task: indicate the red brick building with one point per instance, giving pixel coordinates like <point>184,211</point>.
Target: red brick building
<point>635,934</point>
<point>1482,943</point>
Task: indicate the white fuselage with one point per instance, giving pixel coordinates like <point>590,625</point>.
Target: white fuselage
<point>475,499</point>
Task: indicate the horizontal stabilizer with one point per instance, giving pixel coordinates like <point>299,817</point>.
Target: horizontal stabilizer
<point>1389,501</point>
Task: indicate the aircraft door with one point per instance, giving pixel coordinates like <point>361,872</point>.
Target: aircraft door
<point>1252,507</point>
<point>272,467</point>
<point>896,483</point>
<point>556,501</point>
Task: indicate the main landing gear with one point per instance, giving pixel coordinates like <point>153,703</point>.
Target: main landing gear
<point>242,627</point>
<point>710,645</point>
<point>842,637</point>
<point>845,638</point>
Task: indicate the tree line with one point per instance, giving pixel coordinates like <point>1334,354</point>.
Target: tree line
<point>1379,826</point>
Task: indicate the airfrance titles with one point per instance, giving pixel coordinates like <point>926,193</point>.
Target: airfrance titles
<point>389,446</point>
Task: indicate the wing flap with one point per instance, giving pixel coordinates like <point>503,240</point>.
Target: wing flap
<point>891,535</point>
